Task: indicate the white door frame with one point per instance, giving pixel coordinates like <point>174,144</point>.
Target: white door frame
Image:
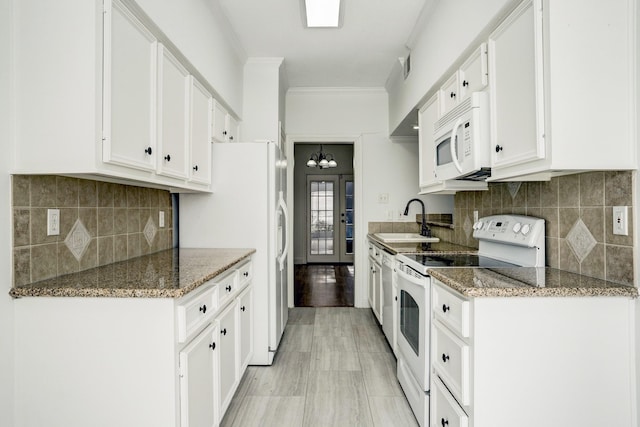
<point>360,232</point>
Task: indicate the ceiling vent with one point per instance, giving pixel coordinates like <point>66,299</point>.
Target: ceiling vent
<point>406,66</point>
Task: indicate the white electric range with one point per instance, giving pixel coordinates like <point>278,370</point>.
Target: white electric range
<point>503,241</point>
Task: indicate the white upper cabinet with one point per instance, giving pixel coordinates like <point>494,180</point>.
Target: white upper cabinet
<point>473,74</point>
<point>552,70</point>
<point>225,127</point>
<point>515,82</point>
<point>173,104</point>
<point>427,116</point>
<point>129,90</point>
<point>201,113</point>
<point>111,95</point>
<point>449,94</point>
<point>470,77</point>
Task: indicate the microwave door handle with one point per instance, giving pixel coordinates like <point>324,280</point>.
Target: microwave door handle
<point>454,138</point>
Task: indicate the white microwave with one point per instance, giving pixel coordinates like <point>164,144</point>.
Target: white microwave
<point>462,142</point>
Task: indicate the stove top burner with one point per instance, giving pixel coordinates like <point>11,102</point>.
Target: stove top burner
<point>456,260</point>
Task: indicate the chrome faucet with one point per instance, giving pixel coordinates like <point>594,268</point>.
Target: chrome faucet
<point>424,230</point>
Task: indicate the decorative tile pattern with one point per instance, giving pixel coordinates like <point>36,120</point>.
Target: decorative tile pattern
<point>102,209</point>
<point>78,239</point>
<point>150,231</point>
<point>580,240</point>
<point>468,227</point>
<point>513,188</point>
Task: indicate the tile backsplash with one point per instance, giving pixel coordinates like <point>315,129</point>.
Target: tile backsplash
<point>100,223</point>
<point>578,214</point>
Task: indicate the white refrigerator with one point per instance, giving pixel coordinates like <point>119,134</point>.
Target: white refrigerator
<point>247,209</point>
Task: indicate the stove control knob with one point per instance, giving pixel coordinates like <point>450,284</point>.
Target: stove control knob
<point>477,225</point>
<point>525,229</point>
<point>516,227</point>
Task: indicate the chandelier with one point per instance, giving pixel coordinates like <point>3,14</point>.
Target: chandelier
<point>322,160</point>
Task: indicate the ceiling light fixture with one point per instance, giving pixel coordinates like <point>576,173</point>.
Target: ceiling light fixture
<point>321,160</point>
<point>322,13</point>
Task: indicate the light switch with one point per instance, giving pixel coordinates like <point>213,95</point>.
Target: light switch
<point>620,221</point>
<point>161,219</point>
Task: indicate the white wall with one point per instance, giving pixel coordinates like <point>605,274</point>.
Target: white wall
<point>261,99</point>
<point>6,304</point>
<point>381,166</point>
<point>437,46</point>
<point>199,30</point>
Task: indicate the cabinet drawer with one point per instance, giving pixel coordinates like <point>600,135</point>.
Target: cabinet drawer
<point>451,310</point>
<point>227,287</point>
<point>445,410</point>
<point>196,311</point>
<point>451,361</point>
<point>245,273</point>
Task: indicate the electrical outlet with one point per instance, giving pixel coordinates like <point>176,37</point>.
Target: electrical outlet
<point>620,221</point>
<point>383,198</point>
<point>475,216</point>
<point>161,219</point>
<point>53,222</point>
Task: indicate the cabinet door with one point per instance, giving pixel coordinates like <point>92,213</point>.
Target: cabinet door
<point>427,117</point>
<point>129,119</point>
<point>219,122</point>
<point>200,133</point>
<point>449,95</point>
<point>198,379</point>
<point>515,82</point>
<point>231,129</point>
<point>378,292</point>
<point>173,102</point>
<point>228,355</point>
<point>473,73</point>
<point>371,284</point>
<point>245,307</point>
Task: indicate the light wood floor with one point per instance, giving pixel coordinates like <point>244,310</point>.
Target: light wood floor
<point>333,368</point>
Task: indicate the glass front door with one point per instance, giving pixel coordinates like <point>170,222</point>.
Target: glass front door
<point>330,218</point>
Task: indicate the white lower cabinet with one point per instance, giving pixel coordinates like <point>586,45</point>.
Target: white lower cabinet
<point>227,322</point>
<point>375,281</point>
<point>530,362</point>
<point>132,362</point>
<point>245,318</point>
<point>198,374</point>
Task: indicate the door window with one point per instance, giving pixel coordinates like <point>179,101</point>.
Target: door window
<point>322,238</point>
<point>410,320</point>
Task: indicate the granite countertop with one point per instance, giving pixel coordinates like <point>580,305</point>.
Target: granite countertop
<point>527,282</point>
<point>413,248</point>
<point>172,273</point>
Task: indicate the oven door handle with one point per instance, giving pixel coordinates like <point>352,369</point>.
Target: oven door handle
<point>418,281</point>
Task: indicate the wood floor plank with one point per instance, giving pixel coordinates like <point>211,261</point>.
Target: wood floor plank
<point>323,285</point>
<point>286,377</point>
<point>297,338</point>
<point>391,412</point>
<point>270,411</point>
<point>334,344</point>
<point>335,361</point>
<point>302,316</point>
<point>379,372</point>
<point>336,399</point>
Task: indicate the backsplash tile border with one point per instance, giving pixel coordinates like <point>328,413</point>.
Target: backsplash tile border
<point>114,216</point>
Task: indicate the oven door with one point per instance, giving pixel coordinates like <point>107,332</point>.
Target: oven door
<point>414,323</point>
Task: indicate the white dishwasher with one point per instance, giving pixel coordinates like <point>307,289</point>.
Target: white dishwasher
<point>389,293</point>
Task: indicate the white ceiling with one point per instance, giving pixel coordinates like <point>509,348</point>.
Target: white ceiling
<point>361,53</point>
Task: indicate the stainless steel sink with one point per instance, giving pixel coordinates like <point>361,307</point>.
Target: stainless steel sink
<point>405,238</point>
